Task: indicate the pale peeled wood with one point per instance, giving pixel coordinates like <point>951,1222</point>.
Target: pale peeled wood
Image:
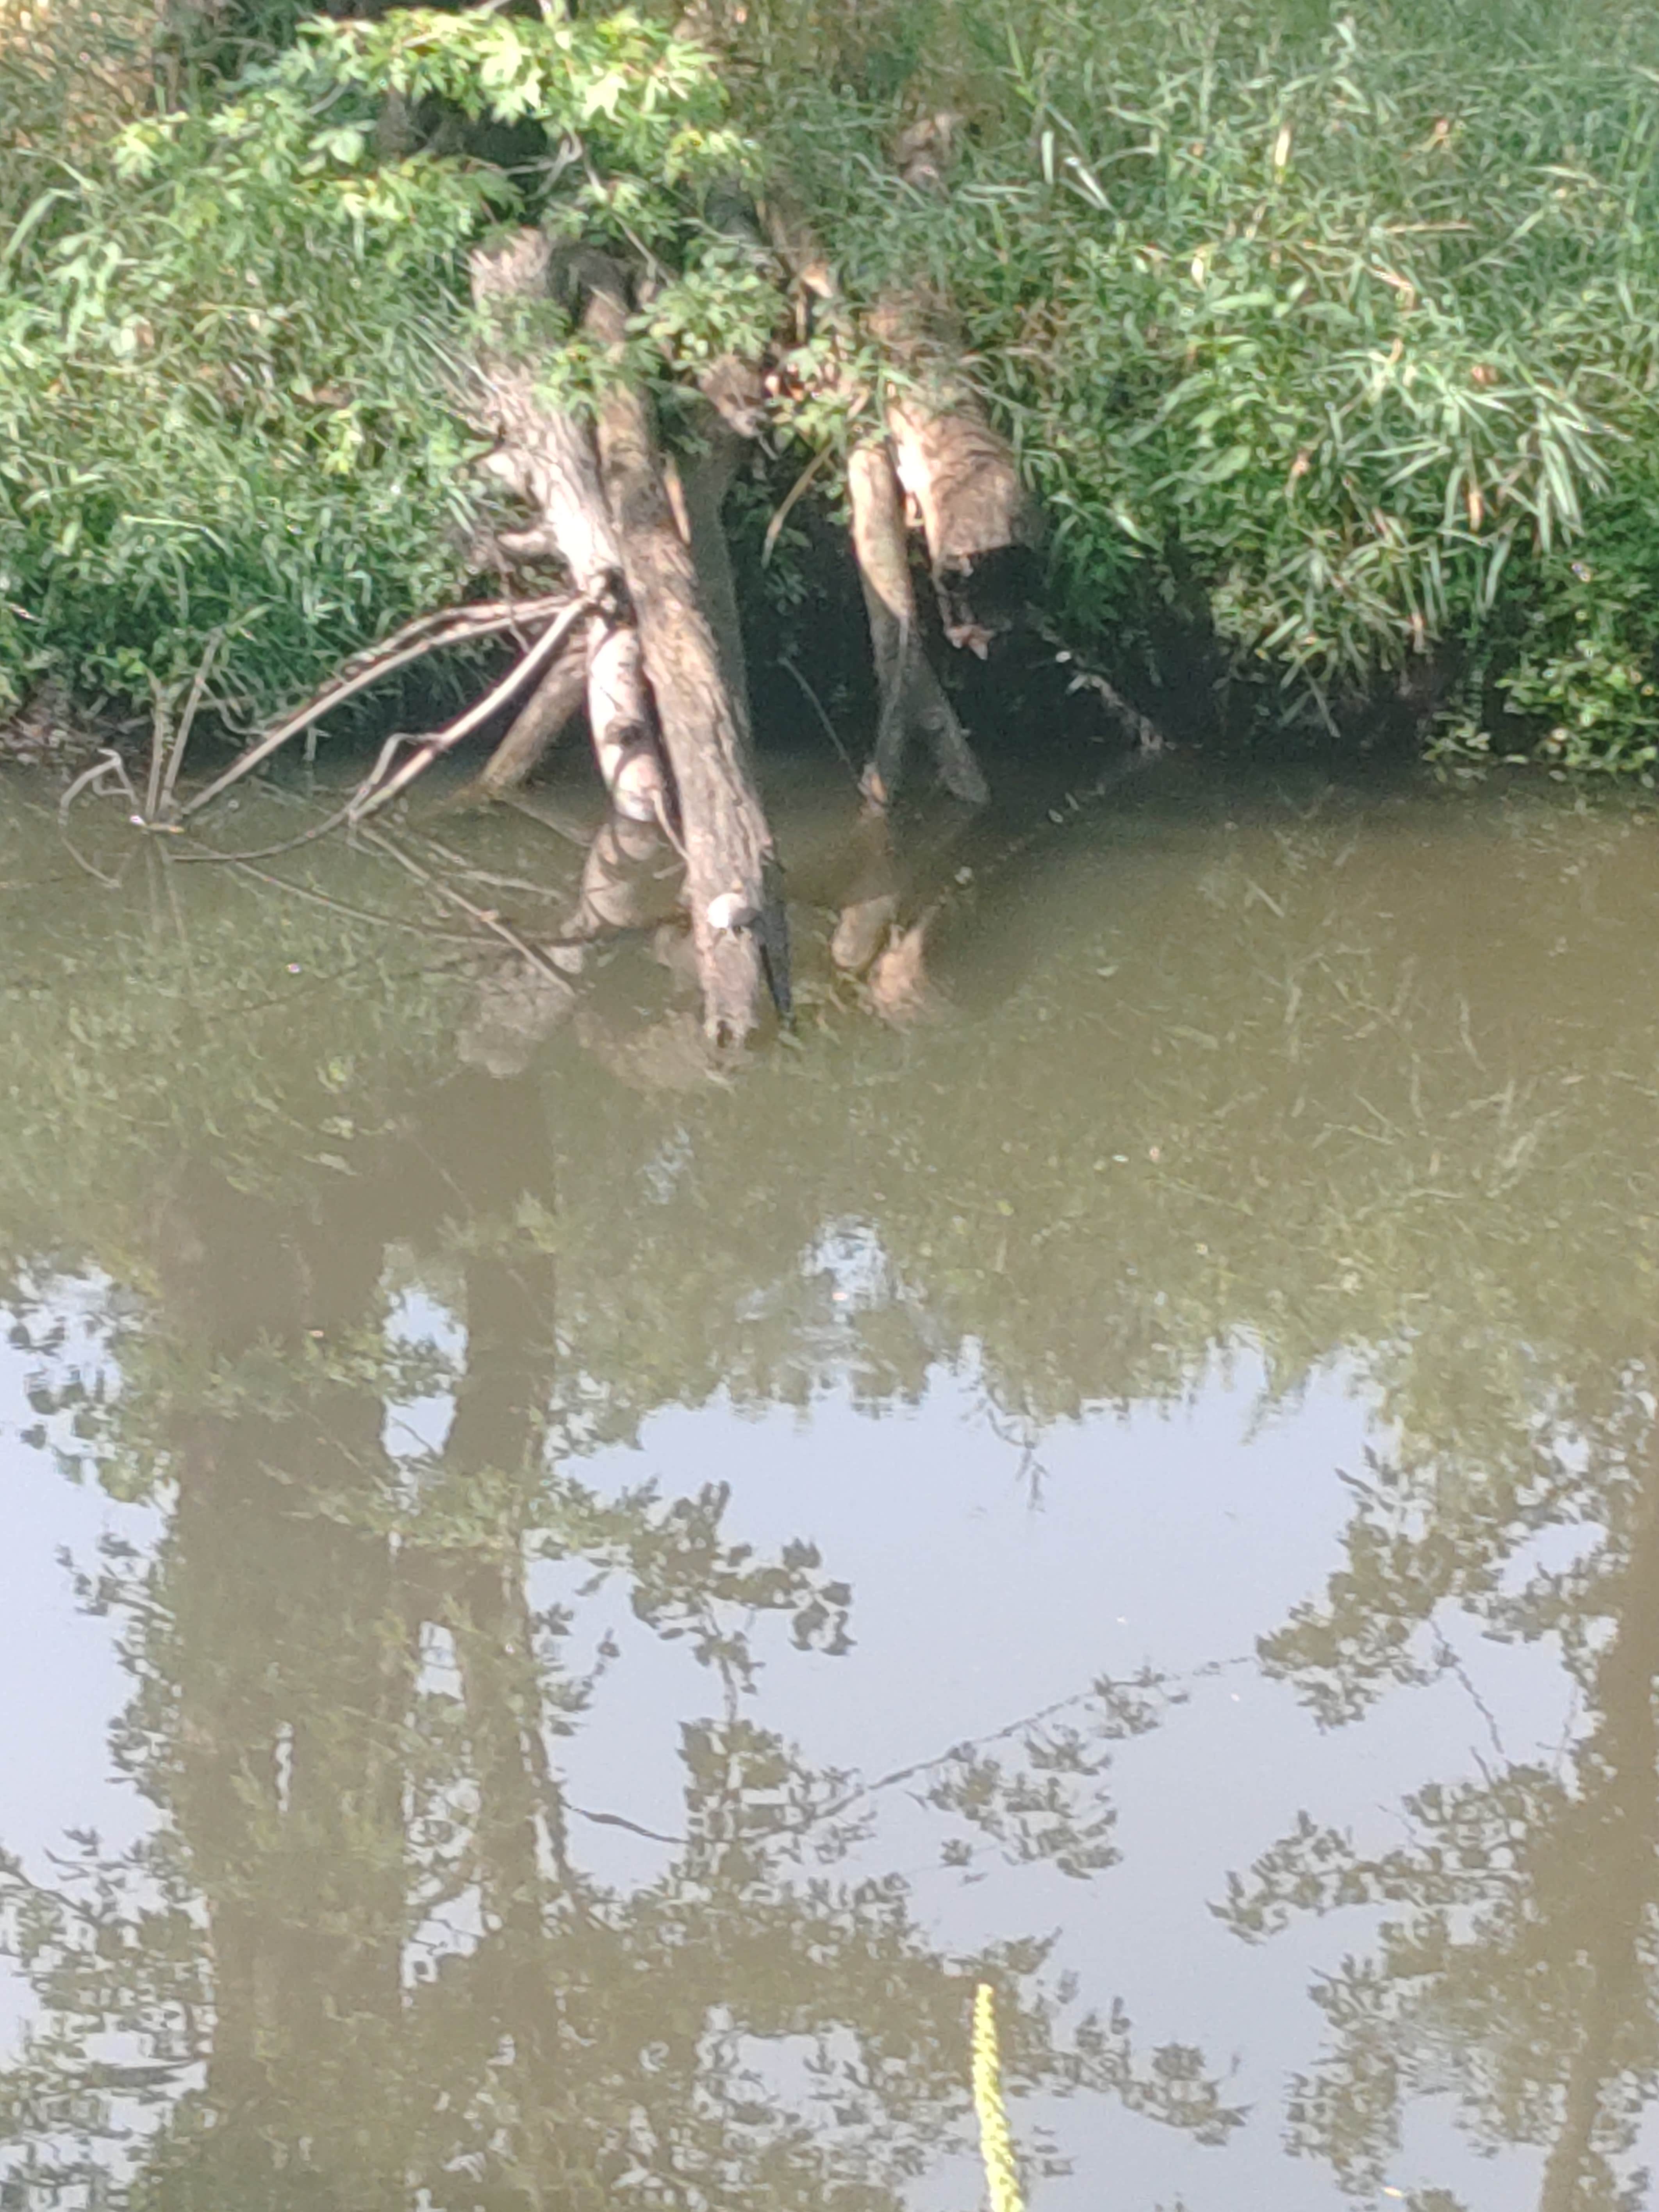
<point>619,708</point>
<point>549,457</point>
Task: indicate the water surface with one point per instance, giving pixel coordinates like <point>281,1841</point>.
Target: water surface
<point>560,1614</point>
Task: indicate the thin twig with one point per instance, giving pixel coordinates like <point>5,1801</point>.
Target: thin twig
<point>315,897</point>
<point>482,915</point>
<point>485,876</point>
<point>335,821</point>
<point>374,794</point>
<point>464,623</point>
<point>818,707</point>
<point>176,757</point>
<point>769,541</point>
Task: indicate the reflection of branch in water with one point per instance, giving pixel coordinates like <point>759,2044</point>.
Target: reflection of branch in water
<point>312,897</point>
<point>484,917</point>
<point>1021,1433</point>
<point>1128,1719</point>
<point>1450,1663</point>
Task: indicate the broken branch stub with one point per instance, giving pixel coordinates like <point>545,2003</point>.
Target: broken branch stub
<point>977,513</point>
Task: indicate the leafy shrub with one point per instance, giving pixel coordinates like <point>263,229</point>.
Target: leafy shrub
<point>1336,329</point>
<point>233,340</point>
<point>1347,336</point>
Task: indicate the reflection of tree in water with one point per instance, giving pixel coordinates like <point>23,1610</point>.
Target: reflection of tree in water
<point>1280,1104</point>
<point>359,1953</point>
<point>1518,1960</point>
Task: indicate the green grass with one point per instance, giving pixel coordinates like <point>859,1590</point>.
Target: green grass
<point>1328,336</point>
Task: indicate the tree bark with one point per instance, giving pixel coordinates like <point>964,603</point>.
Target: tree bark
<point>912,700</point>
<point>732,888</point>
<point>604,500</point>
<point>960,472</point>
<point>539,723</point>
<point>549,456</point>
<point>938,455</point>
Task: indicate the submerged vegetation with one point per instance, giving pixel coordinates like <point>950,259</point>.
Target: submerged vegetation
<point>1327,336</point>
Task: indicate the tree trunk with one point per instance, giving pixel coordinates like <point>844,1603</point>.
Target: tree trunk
<point>733,889</point>
<point>549,456</point>
<point>912,699</point>
<point>538,723</point>
<point>975,510</point>
<point>931,456</point>
<point>606,503</point>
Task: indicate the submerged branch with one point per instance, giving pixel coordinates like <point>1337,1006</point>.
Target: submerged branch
<point>374,794</point>
<point>425,635</point>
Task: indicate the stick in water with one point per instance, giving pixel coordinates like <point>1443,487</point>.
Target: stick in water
<point>376,794</point>
<point>423,635</point>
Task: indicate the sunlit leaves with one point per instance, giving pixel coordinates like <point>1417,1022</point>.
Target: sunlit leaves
<point>232,360</point>
<point>1342,335</point>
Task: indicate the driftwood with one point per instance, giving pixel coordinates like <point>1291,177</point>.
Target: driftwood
<point>729,414</point>
<point>936,447</point>
<point>385,782</point>
<point>427,634</point>
<point>733,891</point>
<point>646,633</point>
<point>960,472</point>
<point>547,456</point>
<point>603,498</point>
<point>548,712</point>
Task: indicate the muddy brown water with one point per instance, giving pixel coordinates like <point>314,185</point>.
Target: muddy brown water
<point>560,1617</point>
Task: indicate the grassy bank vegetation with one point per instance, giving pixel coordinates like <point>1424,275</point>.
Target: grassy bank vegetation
<point>1329,337</point>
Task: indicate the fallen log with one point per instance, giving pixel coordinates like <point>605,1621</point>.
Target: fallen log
<point>385,782</point>
<point>977,516</point>
<point>603,498</point>
<point>733,886</point>
<point>912,704</point>
<point>426,634</point>
<point>539,723</point>
<point>547,455</point>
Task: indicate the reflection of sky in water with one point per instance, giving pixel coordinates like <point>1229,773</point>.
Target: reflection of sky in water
<point>1168,1538</point>
<point>988,1582</point>
<point>61,1681</point>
